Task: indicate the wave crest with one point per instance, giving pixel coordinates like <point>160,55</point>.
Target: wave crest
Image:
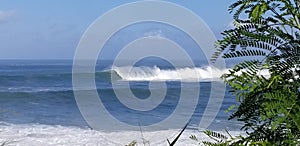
<point>155,73</point>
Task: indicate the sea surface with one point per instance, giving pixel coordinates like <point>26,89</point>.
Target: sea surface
<point>38,104</point>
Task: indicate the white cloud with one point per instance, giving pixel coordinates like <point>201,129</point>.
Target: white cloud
<point>6,15</point>
<point>155,34</point>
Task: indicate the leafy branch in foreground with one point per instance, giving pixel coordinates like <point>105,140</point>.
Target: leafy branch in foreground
<point>133,143</point>
<point>224,140</point>
<point>269,38</point>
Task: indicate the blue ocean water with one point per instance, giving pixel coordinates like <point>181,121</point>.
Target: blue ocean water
<point>40,91</point>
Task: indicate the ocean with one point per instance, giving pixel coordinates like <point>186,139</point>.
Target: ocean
<point>38,106</point>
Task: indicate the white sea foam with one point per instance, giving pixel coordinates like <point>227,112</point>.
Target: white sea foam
<point>34,89</point>
<point>264,72</point>
<point>157,74</point>
<point>36,135</point>
<point>184,74</point>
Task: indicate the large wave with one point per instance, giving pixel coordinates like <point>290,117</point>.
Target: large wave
<point>62,81</point>
<point>155,73</point>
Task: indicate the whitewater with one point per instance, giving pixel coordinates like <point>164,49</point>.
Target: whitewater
<point>189,74</point>
<point>157,74</point>
<point>50,135</point>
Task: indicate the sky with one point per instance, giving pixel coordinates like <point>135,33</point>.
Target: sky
<point>51,29</point>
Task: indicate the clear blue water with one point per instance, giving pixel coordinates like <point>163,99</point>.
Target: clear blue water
<point>40,91</point>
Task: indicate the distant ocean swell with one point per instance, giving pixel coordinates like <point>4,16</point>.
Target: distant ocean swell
<point>61,81</point>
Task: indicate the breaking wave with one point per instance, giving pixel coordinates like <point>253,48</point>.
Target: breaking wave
<point>155,73</point>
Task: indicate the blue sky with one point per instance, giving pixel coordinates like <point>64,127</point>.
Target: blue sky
<point>51,29</point>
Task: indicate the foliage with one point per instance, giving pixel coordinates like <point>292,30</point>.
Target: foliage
<point>223,140</point>
<point>133,143</point>
<point>270,39</point>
